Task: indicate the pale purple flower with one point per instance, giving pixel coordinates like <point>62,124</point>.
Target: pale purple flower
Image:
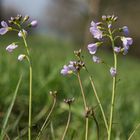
<point>4,28</point>
<point>96,59</point>
<point>11,47</point>
<point>34,23</point>
<point>127,41</point>
<point>113,71</point>
<point>95,31</point>
<point>21,57</point>
<point>92,48</point>
<point>117,49</point>
<point>68,69</point>
<point>125,30</point>
<point>20,34</point>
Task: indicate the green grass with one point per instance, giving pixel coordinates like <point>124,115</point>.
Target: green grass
<point>48,57</point>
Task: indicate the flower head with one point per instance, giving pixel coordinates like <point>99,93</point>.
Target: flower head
<point>11,47</point>
<point>113,71</point>
<point>69,69</point>
<point>127,41</point>
<point>95,31</point>
<point>34,23</point>
<point>96,59</point>
<point>92,48</point>
<point>125,30</point>
<point>21,57</point>
<point>4,28</point>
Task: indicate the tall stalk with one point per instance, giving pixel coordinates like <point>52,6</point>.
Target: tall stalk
<point>85,104</point>
<point>113,89</point>
<point>99,103</point>
<point>68,122</point>
<point>47,118</point>
<point>30,87</point>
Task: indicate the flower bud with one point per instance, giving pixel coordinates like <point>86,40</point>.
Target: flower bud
<point>33,23</point>
<point>21,57</point>
<point>20,34</point>
<point>103,17</point>
<point>26,18</point>
<point>113,71</point>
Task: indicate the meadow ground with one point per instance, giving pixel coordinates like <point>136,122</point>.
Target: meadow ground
<point>48,57</point>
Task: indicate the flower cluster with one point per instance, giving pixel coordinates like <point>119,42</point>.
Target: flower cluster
<point>17,24</point>
<point>104,29</point>
<point>72,67</point>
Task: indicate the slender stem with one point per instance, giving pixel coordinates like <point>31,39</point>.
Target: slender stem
<point>68,122</point>
<point>86,135</point>
<point>99,102</point>
<point>113,89</point>
<point>82,91</point>
<point>30,88</point>
<point>46,120</point>
<point>85,104</point>
<point>97,125</point>
<point>130,137</point>
<point>30,104</point>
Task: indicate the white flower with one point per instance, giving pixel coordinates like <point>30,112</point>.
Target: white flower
<point>21,57</point>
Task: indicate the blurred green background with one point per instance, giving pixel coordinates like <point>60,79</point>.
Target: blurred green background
<point>64,27</point>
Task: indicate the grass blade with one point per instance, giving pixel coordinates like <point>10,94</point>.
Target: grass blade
<point>9,110</point>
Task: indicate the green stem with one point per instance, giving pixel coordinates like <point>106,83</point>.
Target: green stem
<point>85,104</point>
<point>30,88</point>
<point>97,125</point>
<point>86,135</point>
<point>113,90</point>
<point>46,120</point>
<point>130,137</point>
<point>82,91</point>
<point>30,105</point>
<point>68,122</point>
<point>99,103</point>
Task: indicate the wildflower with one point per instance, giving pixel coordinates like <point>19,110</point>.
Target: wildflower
<point>117,49</point>
<point>33,23</point>
<point>95,31</point>
<point>125,30</point>
<point>96,59</point>
<point>21,57</point>
<point>69,69</point>
<point>127,41</point>
<point>4,28</point>
<point>11,47</point>
<point>113,71</point>
<point>20,34</point>
<point>92,48</point>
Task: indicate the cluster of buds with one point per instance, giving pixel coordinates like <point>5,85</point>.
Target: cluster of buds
<point>103,29</point>
<point>89,112</point>
<point>69,101</point>
<point>17,24</point>
<point>53,93</point>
